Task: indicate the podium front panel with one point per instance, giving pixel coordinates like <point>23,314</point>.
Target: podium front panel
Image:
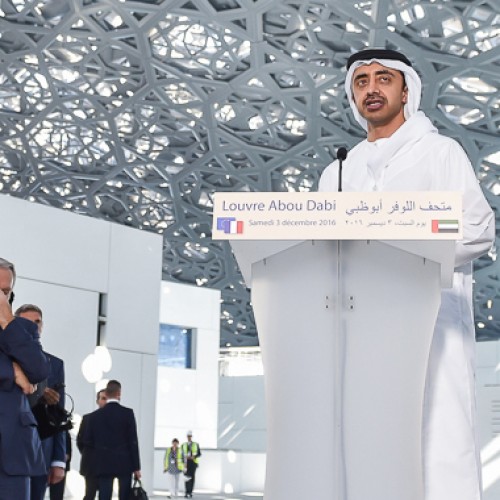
<point>388,332</point>
<point>294,298</point>
<point>345,331</point>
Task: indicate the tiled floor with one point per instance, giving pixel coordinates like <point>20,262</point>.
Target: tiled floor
<point>197,495</point>
<point>161,495</point>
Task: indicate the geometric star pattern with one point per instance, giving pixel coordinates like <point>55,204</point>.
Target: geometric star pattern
<point>137,111</point>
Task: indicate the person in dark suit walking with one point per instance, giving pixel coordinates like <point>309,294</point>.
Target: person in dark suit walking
<point>110,438</point>
<point>85,470</point>
<point>54,447</point>
<point>22,364</point>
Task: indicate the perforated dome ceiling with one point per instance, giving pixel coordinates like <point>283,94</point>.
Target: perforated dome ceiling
<point>137,111</point>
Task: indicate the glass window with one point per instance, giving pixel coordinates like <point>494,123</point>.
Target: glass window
<point>176,347</point>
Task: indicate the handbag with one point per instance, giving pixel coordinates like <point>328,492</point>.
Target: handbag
<point>137,492</point>
<point>52,419</point>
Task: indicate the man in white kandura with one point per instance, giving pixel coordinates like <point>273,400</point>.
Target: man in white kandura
<point>404,152</point>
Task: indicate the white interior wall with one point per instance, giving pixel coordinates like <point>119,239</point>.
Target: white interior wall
<point>188,398</point>
<point>133,300</point>
<point>238,463</point>
<point>64,262</point>
<point>242,414</point>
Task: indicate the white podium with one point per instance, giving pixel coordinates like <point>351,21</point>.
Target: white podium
<point>345,328</point>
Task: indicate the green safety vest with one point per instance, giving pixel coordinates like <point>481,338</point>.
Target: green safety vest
<point>195,449</point>
<point>166,463</point>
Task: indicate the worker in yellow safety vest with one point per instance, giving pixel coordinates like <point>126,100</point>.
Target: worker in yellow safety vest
<point>191,453</point>
<point>173,464</point>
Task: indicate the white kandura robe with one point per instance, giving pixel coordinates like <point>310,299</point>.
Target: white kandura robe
<point>417,158</point>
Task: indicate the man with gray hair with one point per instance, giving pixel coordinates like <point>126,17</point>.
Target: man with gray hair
<point>54,447</point>
<point>404,152</point>
<point>22,364</point>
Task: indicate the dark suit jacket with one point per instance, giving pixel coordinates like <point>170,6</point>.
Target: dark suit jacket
<point>85,459</point>
<point>54,447</point>
<point>109,439</point>
<point>20,445</point>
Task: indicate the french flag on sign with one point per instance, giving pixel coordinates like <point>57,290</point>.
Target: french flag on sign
<point>230,225</point>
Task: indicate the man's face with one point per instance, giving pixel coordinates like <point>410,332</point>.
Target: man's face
<point>380,94</point>
<point>101,399</point>
<point>6,281</point>
<point>35,317</point>
<point>189,437</point>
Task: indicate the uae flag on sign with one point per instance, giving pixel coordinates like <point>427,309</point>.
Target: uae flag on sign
<point>445,226</point>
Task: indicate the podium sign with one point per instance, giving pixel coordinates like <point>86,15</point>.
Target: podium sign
<point>338,216</point>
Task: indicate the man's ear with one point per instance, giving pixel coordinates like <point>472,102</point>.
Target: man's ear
<point>405,95</point>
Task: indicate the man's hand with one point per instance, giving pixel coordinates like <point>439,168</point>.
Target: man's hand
<point>56,475</point>
<point>6,315</point>
<point>137,474</point>
<point>22,380</point>
<point>51,396</point>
